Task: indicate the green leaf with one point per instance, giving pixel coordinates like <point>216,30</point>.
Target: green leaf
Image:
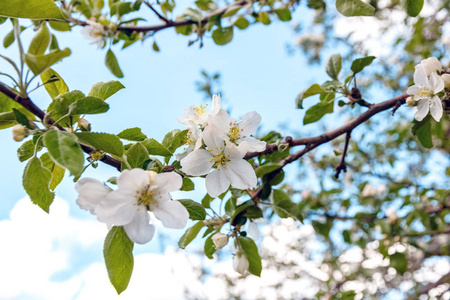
<point>10,38</point>
<point>31,9</point>
<point>223,35</point>
<point>40,41</point>
<point>359,64</point>
<point>21,118</point>
<point>352,8</point>
<point>88,106</point>
<point>196,210</point>
<point>333,66</point>
<point>240,210</point>
<point>36,180</point>
<point>283,206</point>
<point>60,106</point>
<point>57,171</point>
<point>190,234</point>
<point>112,64</point>
<point>251,252</point>
<point>155,47</point>
<point>7,119</point>
<point>207,200</point>
<point>188,185</point>
<point>184,30</point>
<point>267,168</point>
<point>59,26</point>
<point>136,155</point>
<point>101,141</point>
<point>241,23</point>
<point>174,139</point>
<point>64,150</point>
<point>55,87</point>
<point>284,14</point>
<point>155,148</point>
<point>422,130</point>
<point>264,18</point>
<point>132,134</point>
<point>193,14</point>
<point>119,261</point>
<point>399,262</point>
<point>40,63</point>
<point>104,90</point>
<point>209,247</point>
<point>316,112</point>
<point>413,7</point>
<point>231,10</point>
<point>311,91</point>
<point>26,150</point>
<point>253,212</point>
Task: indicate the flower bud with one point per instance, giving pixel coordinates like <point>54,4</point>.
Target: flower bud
<point>446,78</point>
<point>410,101</point>
<point>19,132</point>
<point>431,65</point>
<point>220,240</point>
<point>240,263</point>
<point>84,124</point>
<point>97,155</point>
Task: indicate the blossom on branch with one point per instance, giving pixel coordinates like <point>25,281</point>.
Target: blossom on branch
<point>96,32</point>
<point>197,114</point>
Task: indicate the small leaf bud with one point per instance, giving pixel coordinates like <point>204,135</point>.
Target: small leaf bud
<point>446,78</point>
<point>84,124</point>
<point>97,155</point>
<point>410,101</point>
<point>19,132</point>
<point>220,240</point>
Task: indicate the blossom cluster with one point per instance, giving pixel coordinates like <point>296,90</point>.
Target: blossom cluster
<point>429,84</point>
<point>219,142</point>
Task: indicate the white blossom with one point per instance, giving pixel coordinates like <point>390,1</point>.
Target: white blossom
<point>90,193</point>
<point>446,78</point>
<point>19,132</point>
<point>228,160</point>
<point>424,90</point>
<point>240,262</point>
<point>431,65</point>
<point>239,131</point>
<point>197,114</point>
<point>95,32</point>
<point>220,240</point>
<point>193,141</point>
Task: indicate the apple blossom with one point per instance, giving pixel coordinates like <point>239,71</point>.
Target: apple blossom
<point>193,141</point>
<point>197,114</point>
<point>220,240</point>
<point>424,91</point>
<point>240,262</point>
<point>446,78</point>
<point>19,132</point>
<point>228,160</point>
<point>95,32</point>
<point>90,193</point>
<point>431,65</point>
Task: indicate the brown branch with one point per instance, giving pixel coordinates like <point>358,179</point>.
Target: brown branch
<point>30,106</point>
<point>342,166</point>
<point>161,17</point>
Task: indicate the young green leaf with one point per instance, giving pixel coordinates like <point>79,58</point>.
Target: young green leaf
<point>359,64</point>
<point>284,14</point>
<point>155,148</point>
<point>57,171</point>
<point>265,169</point>
<point>316,112</point>
<point>119,261</point>
<point>136,156</point>
<point>104,90</point>
<point>209,247</point>
<point>333,66</point>
<point>40,63</point>
<point>132,134</point>
<point>283,206</point>
<point>422,130</point>
<point>196,210</point>
<point>352,8</point>
<point>222,36</point>
<point>190,234</point>
<point>251,252</point>
<point>112,64</point>
<point>26,150</point>
<point>55,87</point>
<point>413,7</point>
<point>241,22</point>
<point>10,38</point>
<point>40,41</point>
<point>64,149</point>
<point>174,139</point>
<point>101,141</point>
<point>88,106</point>
<point>188,185</point>
<point>311,91</point>
<point>31,9</point>
<point>36,180</point>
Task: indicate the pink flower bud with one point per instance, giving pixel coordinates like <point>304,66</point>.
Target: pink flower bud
<point>19,132</point>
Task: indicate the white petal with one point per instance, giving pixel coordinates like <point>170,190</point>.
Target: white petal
<point>212,140</point>
<point>90,193</point>
<point>420,76</point>
<point>413,90</point>
<point>255,144</point>
<point>216,103</point>
<point>220,123</point>
<point>139,230</point>
<point>253,230</point>
<point>422,109</point>
<point>241,174</point>
<point>172,214</point>
<point>249,123</point>
<point>240,263</point>
<point>436,109</point>
<point>133,180</point>
<point>168,182</point>
<point>217,183</point>
<point>118,208</point>
<point>431,65</point>
<point>436,83</point>
<point>197,163</point>
<point>236,152</point>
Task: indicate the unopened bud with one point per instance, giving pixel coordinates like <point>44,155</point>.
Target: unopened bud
<point>446,78</point>
<point>84,124</point>
<point>220,240</point>
<point>431,65</point>
<point>97,155</point>
<point>19,132</point>
<point>410,101</point>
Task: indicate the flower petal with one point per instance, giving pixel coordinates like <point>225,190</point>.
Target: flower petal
<point>139,230</point>
<point>133,180</point>
<point>255,144</point>
<point>216,103</point>
<point>172,214</point>
<point>241,174</point>
<point>413,90</point>
<point>220,123</point>
<point>212,140</point>
<point>217,182</point>
<point>197,163</point>
<point>168,182</point>
<point>422,109</point>
<point>90,193</point>
<point>431,64</point>
<point>436,83</point>
<point>436,109</point>
<point>420,76</point>
<point>249,123</point>
<point>118,208</point>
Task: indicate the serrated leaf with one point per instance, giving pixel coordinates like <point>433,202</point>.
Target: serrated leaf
<point>359,64</point>
<point>155,148</point>
<point>102,141</point>
<point>414,7</point>
<point>267,168</point>
<point>209,247</point>
<point>64,150</point>
<point>223,35</point>
<point>40,41</point>
<point>251,252</point>
<point>55,87</point>
<point>57,171</point>
<point>283,206</point>
<point>311,91</point>
<point>316,112</point>
<point>26,150</point>
<point>112,64</point>
<point>132,134</point>
<point>104,90</point>
<point>190,234</point>
<point>88,106</point>
<point>36,180</point>
<point>174,139</point>
<point>422,130</point>
<point>119,261</point>
<point>188,185</point>
<point>196,210</point>
<point>333,66</point>
<point>40,63</point>
<point>352,8</point>
<point>60,106</point>
<point>136,155</point>
<point>31,9</point>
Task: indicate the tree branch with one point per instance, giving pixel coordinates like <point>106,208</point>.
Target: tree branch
<point>161,17</point>
<point>342,166</point>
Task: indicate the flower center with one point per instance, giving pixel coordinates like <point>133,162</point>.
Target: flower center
<point>190,140</point>
<point>200,110</point>
<point>146,197</point>
<point>424,92</point>
<point>219,159</point>
<point>235,132</point>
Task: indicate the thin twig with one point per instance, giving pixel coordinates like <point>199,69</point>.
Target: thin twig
<point>342,166</point>
<point>157,13</point>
